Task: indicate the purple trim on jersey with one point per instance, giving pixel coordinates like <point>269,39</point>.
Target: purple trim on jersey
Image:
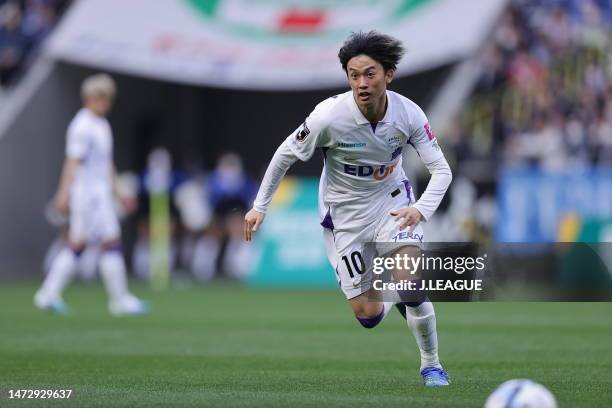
<point>371,322</point>
<point>373,126</point>
<point>324,151</point>
<point>327,221</point>
<point>408,189</point>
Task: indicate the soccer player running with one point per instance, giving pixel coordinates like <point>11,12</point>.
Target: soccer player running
<point>86,191</point>
<point>364,195</point>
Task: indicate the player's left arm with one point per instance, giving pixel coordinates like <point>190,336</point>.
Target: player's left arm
<point>423,139</point>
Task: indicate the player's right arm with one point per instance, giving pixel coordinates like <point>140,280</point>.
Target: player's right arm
<point>300,145</point>
<point>76,149</point>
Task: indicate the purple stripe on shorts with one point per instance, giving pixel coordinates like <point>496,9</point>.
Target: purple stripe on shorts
<point>327,221</point>
<point>113,248</point>
<point>408,189</point>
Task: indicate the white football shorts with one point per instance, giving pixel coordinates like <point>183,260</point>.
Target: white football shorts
<point>345,246</point>
<point>93,218</point>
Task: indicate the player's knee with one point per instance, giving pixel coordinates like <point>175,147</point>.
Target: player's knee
<point>369,314</point>
<point>371,322</point>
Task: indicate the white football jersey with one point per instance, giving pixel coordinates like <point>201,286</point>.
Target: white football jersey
<point>363,162</point>
<point>90,140</point>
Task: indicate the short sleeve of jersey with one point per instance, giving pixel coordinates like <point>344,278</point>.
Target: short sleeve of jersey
<point>422,137</point>
<point>310,134</point>
<point>76,143</point>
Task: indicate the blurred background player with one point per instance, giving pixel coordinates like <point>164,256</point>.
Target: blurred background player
<point>86,191</point>
<point>87,262</point>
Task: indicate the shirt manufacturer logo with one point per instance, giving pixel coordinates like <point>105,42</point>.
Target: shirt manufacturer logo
<point>351,145</point>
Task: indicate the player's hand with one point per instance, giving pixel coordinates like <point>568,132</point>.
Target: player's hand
<point>252,220</point>
<point>128,204</point>
<point>408,217</point>
<point>62,201</point>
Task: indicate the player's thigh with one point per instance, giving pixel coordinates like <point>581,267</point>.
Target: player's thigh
<point>93,219</point>
<point>107,227</point>
<point>78,223</point>
<point>347,254</point>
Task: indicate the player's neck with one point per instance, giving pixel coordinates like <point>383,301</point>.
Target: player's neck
<point>376,112</point>
<point>93,111</point>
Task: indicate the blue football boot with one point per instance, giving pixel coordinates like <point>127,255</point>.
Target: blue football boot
<point>434,377</point>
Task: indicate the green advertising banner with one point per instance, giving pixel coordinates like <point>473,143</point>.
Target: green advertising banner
<point>265,44</point>
<point>289,245</point>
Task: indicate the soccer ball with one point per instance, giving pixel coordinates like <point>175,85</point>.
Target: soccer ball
<point>521,394</point>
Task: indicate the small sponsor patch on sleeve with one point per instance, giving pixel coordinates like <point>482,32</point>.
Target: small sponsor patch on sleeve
<point>430,133</point>
<point>303,133</point>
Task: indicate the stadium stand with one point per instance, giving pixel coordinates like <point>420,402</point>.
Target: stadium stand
<point>545,96</point>
<point>24,24</point>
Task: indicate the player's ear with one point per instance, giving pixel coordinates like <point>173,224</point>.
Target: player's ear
<point>389,75</point>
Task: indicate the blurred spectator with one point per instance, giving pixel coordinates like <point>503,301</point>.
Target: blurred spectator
<point>141,256</point>
<point>24,24</point>
<point>13,44</point>
<point>221,249</point>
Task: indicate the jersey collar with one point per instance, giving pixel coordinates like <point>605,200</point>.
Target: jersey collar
<point>358,116</point>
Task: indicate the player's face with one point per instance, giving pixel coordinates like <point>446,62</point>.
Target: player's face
<point>368,80</point>
<point>101,104</point>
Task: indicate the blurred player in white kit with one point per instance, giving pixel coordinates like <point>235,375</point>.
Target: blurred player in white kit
<point>86,191</point>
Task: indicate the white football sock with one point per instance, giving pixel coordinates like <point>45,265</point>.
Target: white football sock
<point>60,273</point>
<point>112,270</point>
<point>422,323</point>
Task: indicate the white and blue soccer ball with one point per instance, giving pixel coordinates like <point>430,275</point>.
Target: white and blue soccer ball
<point>521,394</point>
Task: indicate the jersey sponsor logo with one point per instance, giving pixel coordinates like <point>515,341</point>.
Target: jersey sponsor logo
<point>377,172</point>
<point>351,145</point>
<point>302,134</point>
<point>430,133</point>
<point>396,153</point>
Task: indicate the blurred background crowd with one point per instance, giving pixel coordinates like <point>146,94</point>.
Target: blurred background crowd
<point>206,213</point>
<point>24,24</point>
<point>545,95</point>
<point>542,101</point>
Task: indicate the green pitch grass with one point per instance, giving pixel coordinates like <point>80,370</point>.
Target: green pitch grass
<point>234,347</point>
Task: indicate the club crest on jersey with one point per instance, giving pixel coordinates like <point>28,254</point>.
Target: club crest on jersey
<point>430,133</point>
<point>376,172</point>
<point>303,133</point>
<point>394,141</point>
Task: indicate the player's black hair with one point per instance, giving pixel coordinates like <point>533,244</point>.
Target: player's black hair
<point>380,47</point>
